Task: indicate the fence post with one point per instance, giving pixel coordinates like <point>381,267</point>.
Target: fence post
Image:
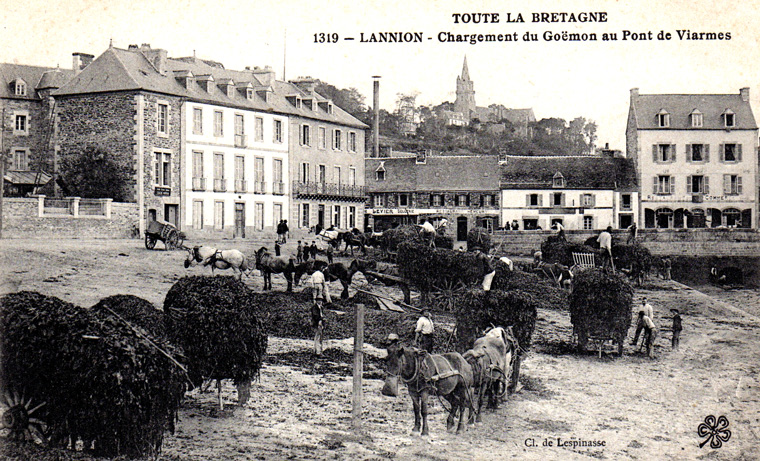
<point>75,206</point>
<point>40,206</point>
<point>358,368</point>
<point>108,202</point>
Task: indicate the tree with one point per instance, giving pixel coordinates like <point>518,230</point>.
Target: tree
<point>349,99</point>
<point>95,173</point>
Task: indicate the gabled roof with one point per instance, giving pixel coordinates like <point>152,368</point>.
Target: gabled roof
<point>579,172</point>
<point>680,106</point>
<point>32,75</point>
<point>438,173</point>
<point>123,70</point>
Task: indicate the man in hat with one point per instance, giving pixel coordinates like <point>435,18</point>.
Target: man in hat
<point>423,333</point>
<point>677,327</point>
<point>320,295</point>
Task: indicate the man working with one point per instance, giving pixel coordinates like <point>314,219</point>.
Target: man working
<point>645,309</point>
<point>632,233</point>
<point>484,261</point>
<point>320,294</point>
<point>605,244</point>
<point>650,334</point>
<point>423,333</point>
<point>428,231</point>
<point>560,230</point>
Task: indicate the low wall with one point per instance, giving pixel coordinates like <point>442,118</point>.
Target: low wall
<point>687,242</point>
<point>21,219</point>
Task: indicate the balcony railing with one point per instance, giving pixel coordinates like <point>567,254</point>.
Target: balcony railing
<point>259,187</point>
<point>220,185</point>
<point>199,184</point>
<point>241,186</point>
<point>329,190</point>
<point>278,188</point>
<point>241,140</point>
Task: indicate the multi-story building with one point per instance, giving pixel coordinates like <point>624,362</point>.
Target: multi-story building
<point>326,160</point>
<point>26,127</point>
<point>697,160</point>
<point>406,187</point>
<point>579,192</point>
<point>209,147</point>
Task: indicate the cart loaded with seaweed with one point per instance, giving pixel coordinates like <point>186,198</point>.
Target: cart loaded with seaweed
<point>165,232</point>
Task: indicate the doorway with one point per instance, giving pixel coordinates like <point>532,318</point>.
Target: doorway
<point>171,214</point>
<point>321,216</point>
<point>462,228</point>
<point>240,220</point>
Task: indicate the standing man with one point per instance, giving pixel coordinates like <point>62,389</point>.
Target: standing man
<point>280,237</point>
<point>428,231</point>
<point>285,231</point>
<point>313,250</point>
<point>277,248</point>
<point>560,230</point>
<point>605,244</point>
<point>329,251</point>
<point>299,253</point>
<point>320,294</point>
<point>677,327</point>
<point>484,262</point>
<point>423,333</point>
<point>645,309</point>
<point>632,233</point>
<point>668,266</point>
<point>650,334</point>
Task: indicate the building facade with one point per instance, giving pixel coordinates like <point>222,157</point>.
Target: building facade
<point>697,159</point>
<point>406,188</point>
<point>580,192</point>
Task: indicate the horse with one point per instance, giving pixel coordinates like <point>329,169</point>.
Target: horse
<point>353,240</point>
<point>217,259</point>
<point>447,375</point>
<point>269,264</point>
<point>333,272</point>
<point>491,359</point>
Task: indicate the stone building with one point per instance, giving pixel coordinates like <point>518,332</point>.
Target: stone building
<point>406,188</point>
<point>580,192</point>
<point>26,125</point>
<point>697,160</point>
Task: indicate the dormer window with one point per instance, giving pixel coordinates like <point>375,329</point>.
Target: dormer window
<point>20,87</point>
<point>249,94</point>
<point>729,119</point>
<point>558,180</point>
<point>329,108</point>
<point>380,172</point>
<point>696,119</point>
<point>663,119</point>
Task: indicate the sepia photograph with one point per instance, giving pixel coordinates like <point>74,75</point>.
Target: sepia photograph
<point>368,230</point>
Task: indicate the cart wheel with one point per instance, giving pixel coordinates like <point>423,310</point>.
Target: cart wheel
<point>150,242</point>
<point>172,241</point>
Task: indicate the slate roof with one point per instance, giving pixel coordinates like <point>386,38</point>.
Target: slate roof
<point>32,75</point>
<point>122,70</point>
<point>438,173</point>
<point>580,172</point>
<point>680,106</point>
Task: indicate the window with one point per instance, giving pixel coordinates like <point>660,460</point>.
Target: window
<point>588,222</point>
<point>20,159</point>
<point>20,89</point>
<point>240,140</point>
<point>437,200</point>
<point>696,119</point>
<point>163,169</point>
<point>352,141</point>
<point>219,182</point>
<point>218,123</point>
<point>378,200</point>
<point>305,215</point>
<point>533,200</point>
<point>697,184</point>
<point>698,152</point>
<point>558,199</point>
<point>199,182</point>
<point>663,119</point>
<point>197,214</point>
<point>351,176</point>
<point>663,153</point>
<point>305,135</point>
<point>218,215</point>
<point>731,152</point>
<point>587,200</point>
<point>322,174</point>
<point>380,175</point>
<point>278,131</point>
<point>403,200</point>
<point>304,172</point>
<point>351,217</point>
<point>322,137</point>
<point>240,185</point>
<point>277,185</point>
<point>732,184</point>
<point>558,180</point>
<point>259,128</point>
<point>197,120</point>
<point>163,118</point>
<point>336,175</point>
<point>258,175</point>
<point>625,201</point>
<point>259,216</point>
<point>276,213</point>
<point>22,125</point>
<point>336,216</point>
<point>463,200</point>
<point>336,140</point>
<point>664,185</point>
<point>729,119</point>
<point>487,200</point>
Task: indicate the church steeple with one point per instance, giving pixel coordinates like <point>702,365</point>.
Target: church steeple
<point>465,102</point>
<point>465,72</point>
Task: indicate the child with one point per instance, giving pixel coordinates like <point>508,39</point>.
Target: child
<point>329,251</point>
<point>677,327</point>
<point>299,253</point>
<point>423,333</point>
<point>276,248</point>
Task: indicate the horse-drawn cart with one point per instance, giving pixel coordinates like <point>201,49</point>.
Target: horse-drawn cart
<point>165,232</point>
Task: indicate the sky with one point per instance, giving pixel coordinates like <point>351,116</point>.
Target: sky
<point>556,78</point>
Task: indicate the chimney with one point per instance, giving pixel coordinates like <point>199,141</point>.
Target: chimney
<point>156,56</point>
<point>745,94</point>
<point>306,84</point>
<point>266,75</point>
<point>132,48</point>
<point>80,61</point>
<point>376,110</point>
<point>634,92</point>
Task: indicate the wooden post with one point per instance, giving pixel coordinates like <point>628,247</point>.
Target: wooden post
<point>358,368</point>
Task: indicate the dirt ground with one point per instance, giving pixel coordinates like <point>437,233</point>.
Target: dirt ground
<point>632,407</point>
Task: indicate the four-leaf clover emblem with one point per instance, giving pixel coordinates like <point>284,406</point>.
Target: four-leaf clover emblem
<point>715,431</point>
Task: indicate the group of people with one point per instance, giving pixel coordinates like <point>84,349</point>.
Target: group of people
<point>304,252</point>
<point>646,325</point>
<point>282,231</point>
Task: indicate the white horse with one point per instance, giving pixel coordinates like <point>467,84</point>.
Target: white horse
<point>217,259</point>
<point>507,338</point>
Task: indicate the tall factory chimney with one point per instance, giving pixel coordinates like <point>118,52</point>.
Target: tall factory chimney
<point>376,121</point>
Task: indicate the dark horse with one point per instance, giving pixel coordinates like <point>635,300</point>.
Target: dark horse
<point>447,375</point>
<point>268,264</point>
<point>333,272</point>
<point>353,239</point>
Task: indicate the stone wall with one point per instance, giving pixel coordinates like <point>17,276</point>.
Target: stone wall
<point>36,137</point>
<point>21,220</point>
